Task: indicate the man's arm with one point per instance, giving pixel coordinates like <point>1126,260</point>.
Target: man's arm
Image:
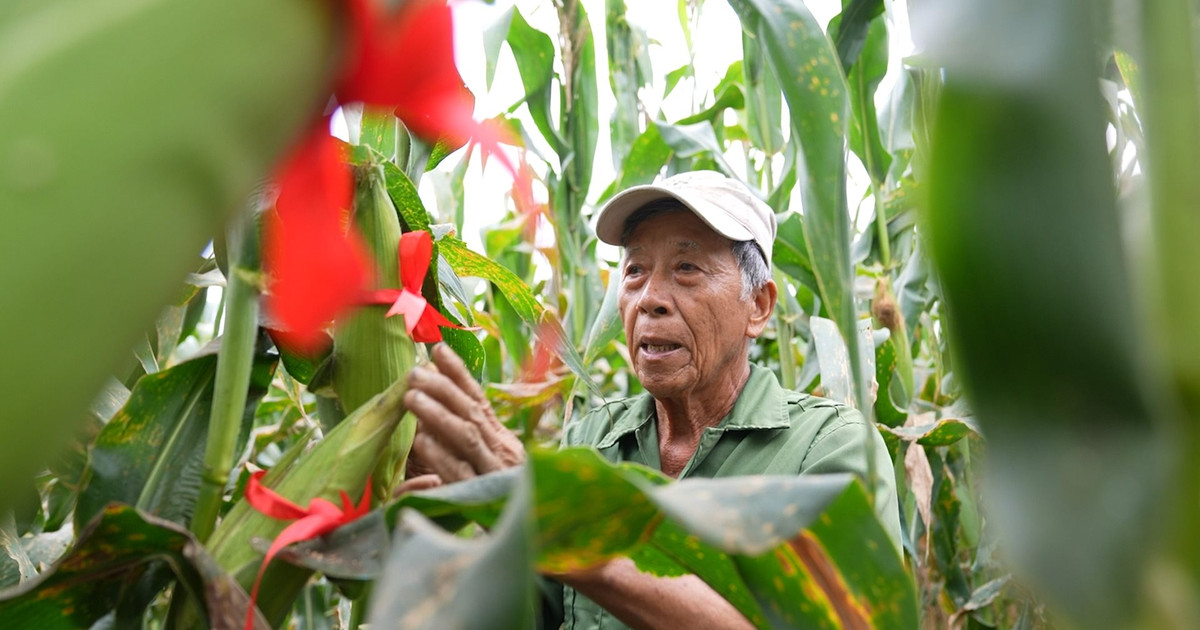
<point>643,601</point>
<point>459,437</point>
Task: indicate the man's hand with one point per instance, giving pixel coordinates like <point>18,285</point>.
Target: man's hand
<point>458,435</point>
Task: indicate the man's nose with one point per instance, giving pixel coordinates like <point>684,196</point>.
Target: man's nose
<point>655,298</point>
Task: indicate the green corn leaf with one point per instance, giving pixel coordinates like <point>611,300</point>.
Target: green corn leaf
<point>717,528</point>
<point>426,560</point>
<point>468,263</point>
<point>850,30</point>
<point>943,432</point>
<point>806,65</point>
<point>764,101</point>
<point>151,453</point>
<point>864,77</point>
<point>534,53</point>
<point>628,70</point>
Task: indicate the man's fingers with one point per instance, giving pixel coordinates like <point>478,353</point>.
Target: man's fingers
<point>449,363</point>
<point>442,389</point>
<point>445,465</point>
<point>463,440</point>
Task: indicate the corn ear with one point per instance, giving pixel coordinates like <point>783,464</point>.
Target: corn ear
<point>342,461</point>
<point>371,350</point>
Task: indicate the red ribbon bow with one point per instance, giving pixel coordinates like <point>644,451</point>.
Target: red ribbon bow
<point>320,518</point>
<point>421,319</point>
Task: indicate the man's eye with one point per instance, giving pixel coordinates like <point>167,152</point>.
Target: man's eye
<point>687,266</point>
<point>631,270</point>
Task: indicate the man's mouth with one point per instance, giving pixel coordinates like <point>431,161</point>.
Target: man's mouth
<point>656,348</point>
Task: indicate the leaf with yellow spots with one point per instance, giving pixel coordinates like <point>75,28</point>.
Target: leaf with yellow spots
<point>151,453</point>
<point>786,551</point>
<point>810,76</point>
<point>111,555</point>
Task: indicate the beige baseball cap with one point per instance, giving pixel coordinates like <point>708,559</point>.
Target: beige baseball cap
<point>724,203</point>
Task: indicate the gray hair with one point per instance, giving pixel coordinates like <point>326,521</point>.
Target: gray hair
<point>751,260</point>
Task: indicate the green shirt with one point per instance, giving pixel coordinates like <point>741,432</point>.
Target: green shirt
<point>769,431</point>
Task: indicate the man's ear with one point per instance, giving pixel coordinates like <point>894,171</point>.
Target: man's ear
<point>764,304</point>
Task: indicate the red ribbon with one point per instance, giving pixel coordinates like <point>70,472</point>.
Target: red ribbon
<point>320,518</point>
<point>421,319</point>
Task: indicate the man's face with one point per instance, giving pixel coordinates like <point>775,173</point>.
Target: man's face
<point>686,322</point>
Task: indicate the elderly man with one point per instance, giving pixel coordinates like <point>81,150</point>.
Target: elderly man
<point>695,291</point>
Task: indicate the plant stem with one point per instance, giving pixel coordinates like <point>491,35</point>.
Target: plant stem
<point>234,362</point>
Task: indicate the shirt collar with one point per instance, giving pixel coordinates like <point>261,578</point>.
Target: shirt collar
<point>760,406</point>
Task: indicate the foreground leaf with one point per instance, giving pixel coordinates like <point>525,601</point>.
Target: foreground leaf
<point>220,99</point>
<point>1013,222</point>
<point>734,533</point>
<point>112,552</point>
<point>436,580</point>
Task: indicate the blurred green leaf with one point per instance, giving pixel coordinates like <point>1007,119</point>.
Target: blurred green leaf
<point>147,188</point>
<point>1170,108</point>
<point>436,580</point>
<point>1029,252</point>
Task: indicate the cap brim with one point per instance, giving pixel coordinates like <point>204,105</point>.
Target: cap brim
<point>610,223</point>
